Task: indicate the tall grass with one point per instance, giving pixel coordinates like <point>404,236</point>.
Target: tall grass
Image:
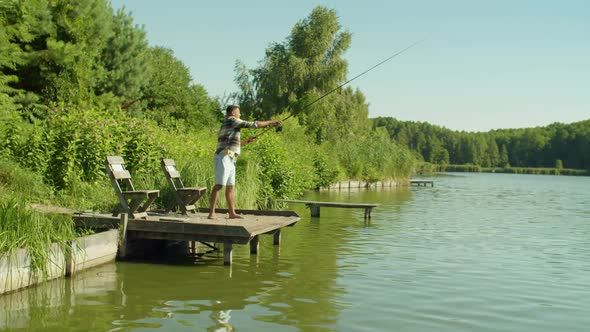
<point>80,195</point>
<point>248,186</point>
<point>16,179</point>
<point>22,227</point>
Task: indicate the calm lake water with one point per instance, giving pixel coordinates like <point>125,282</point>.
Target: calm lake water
<point>478,252</point>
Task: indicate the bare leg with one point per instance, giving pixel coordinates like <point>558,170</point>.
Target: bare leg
<point>229,196</point>
<point>213,202</point>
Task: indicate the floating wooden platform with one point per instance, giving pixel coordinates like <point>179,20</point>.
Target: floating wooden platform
<point>314,207</point>
<point>422,183</point>
<point>196,227</point>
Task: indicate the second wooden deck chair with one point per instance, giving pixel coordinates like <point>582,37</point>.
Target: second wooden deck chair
<point>184,197</point>
<point>133,202</point>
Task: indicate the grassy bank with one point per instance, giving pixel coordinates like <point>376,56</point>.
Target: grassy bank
<point>60,161</point>
<point>21,227</point>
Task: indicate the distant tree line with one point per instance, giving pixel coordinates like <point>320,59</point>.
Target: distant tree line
<point>557,145</point>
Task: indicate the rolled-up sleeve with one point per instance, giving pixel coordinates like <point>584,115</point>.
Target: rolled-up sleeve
<point>239,123</point>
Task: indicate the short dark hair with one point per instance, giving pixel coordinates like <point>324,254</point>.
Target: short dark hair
<point>230,109</point>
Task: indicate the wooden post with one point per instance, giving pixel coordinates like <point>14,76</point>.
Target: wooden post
<point>70,259</point>
<point>227,253</point>
<point>315,210</point>
<point>123,242</point>
<point>368,212</point>
<point>254,245</point>
<point>277,237</point>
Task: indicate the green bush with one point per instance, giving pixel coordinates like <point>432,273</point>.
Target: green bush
<point>375,157</point>
<point>326,170</point>
<point>281,173</point>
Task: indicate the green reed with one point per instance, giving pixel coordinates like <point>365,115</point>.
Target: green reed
<point>22,227</point>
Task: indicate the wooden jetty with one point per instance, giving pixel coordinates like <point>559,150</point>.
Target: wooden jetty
<point>314,206</point>
<point>416,182</point>
<point>194,227</point>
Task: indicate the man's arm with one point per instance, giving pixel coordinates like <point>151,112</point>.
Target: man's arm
<point>260,124</point>
<point>274,123</point>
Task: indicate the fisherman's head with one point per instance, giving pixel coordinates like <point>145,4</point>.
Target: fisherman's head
<point>233,110</point>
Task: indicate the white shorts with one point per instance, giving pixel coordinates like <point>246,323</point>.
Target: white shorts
<point>225,169</point>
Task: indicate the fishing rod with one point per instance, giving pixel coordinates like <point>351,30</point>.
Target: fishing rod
<point>341,85</point>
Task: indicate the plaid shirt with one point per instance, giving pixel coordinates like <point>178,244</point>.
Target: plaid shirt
<point>229,133</point>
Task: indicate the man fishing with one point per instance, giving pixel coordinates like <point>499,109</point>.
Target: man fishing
<point>228,143</point>
<point>228,150</point>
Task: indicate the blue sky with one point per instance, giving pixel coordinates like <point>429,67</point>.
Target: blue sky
<point>485,64</point>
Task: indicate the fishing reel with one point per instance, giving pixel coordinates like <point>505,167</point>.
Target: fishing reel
<point>279,129</point>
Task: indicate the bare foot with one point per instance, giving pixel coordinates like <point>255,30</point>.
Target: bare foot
<point>236,216</point>
<point>212,217</point>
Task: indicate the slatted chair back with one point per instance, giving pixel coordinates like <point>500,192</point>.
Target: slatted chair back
<point>184,197</point>
<point>119,175</point>
<point>172,174</point>
<point>134,202</point>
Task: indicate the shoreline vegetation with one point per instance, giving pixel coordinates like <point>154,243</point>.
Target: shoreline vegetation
<point>79,81</point>
<point>427,168</point>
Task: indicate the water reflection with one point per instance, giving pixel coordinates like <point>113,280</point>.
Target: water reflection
<point>50,304</point>
<point>295,287</point>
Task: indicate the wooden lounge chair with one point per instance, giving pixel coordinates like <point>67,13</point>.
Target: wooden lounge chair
<point>134,202</point>
<point>184,197</point>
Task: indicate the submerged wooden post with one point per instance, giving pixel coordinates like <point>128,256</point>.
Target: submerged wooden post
<point>315,210</point>
<point>368,212</point>
<point>227,253</point>
<point>277,237</point>
<point>254,245</point>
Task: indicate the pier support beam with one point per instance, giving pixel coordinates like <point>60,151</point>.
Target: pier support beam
<point>254,245</point>
<point>277,238</point>
<point>123,237</point>
<point>227,253</point>
<point>315,210</point>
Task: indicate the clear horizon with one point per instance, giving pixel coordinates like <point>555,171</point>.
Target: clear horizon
<point>483,66</point>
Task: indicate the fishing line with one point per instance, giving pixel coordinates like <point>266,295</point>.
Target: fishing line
<point>343,84</point>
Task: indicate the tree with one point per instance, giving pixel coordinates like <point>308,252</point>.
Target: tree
<point>24,27</point>
<point>292,73</point>
<point>493,152</point>
<point>8,57</point>
<point>504,159</point>
<point>558,164</point>
<point>71,67</point>
<point>124,59</point>
<point>171,94</point>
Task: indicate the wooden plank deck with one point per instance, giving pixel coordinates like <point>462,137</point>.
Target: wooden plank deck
<point>419,183</point>
<point>314,206</point>
<point>196,227</point>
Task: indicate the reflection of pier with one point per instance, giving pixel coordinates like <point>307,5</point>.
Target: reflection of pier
<point>416,182</point>
<point>292,287</point>
<point>36,308</point>
<point>195,227</point>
